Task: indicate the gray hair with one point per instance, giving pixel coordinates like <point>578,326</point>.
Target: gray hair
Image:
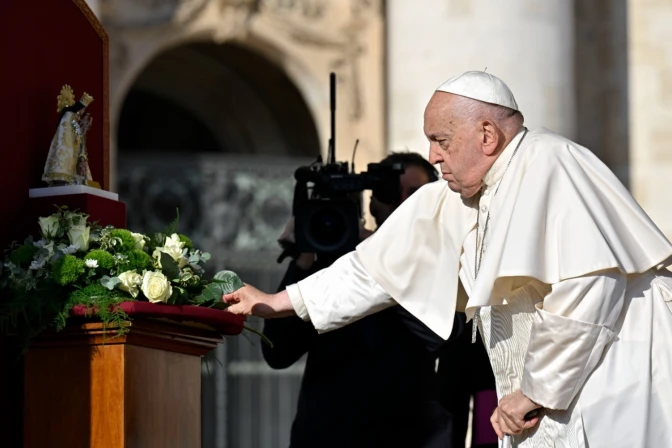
<point>475,110</point>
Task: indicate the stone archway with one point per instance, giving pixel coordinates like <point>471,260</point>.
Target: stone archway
<point>247,103</point>
<point>200,102</point>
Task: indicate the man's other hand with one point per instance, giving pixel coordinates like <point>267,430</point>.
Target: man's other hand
<point>509,417</point>
<point>249,301</point>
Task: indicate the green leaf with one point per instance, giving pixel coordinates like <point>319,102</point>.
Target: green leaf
<point>172,227</point>
<point>109,283</point>
<point>220,305</point>
<point>210,295</point>
<point>230,280</point>
<point>225,282</point>
<point>169,267</point>
<point>179,296</point>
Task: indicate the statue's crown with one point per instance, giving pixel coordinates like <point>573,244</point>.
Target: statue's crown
<point>86,99</point>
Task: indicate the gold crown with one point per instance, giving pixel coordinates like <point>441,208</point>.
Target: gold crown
<point>86,99</point>
<point>66,98</point>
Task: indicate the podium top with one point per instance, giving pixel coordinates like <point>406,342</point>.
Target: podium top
<point>149,333</point>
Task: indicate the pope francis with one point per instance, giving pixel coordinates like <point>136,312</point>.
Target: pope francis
<point>560,268</point>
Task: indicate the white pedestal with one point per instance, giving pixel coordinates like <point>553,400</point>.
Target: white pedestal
<point>71,189</point>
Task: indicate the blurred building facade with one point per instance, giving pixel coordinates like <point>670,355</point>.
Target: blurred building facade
<point>214,103</point>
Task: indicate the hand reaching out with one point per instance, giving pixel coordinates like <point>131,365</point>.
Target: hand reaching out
<point>249,301</point>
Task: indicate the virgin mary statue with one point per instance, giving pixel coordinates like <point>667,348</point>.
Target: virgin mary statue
<point>67,162</point>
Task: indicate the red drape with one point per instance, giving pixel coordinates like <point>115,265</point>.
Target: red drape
<point>45,44</point>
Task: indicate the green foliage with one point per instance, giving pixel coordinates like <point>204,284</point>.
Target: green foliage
<point>41,281</point>
<point>109,283</point>
<point>68,270</point>
<point>172,227</point>
<point>138,260</point>
<point>125,238</point>
<point>104,258</point>
<point>159,238</point>
<point>23,255</point>
<point>169,267</point>
<point>187,241</point>
<point>101,302</point>
<point>28,312</point>
<point>224,282</point>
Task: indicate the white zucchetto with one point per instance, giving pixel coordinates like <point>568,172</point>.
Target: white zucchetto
<point>480,86</point>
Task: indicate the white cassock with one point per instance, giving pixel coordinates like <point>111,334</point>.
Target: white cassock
<point>572,297</point>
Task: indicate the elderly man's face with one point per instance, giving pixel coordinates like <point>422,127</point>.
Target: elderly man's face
<point>455,144</point>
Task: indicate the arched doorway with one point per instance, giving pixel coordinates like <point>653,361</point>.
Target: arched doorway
<point>217,131</point>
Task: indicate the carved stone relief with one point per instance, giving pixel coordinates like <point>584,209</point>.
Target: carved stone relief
<point>138,14</point>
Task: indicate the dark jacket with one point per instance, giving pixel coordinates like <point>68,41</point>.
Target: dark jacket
<point>369,384</point>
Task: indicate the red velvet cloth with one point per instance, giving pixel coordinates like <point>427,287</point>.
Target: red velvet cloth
<point>43,46</point>
<point>105,211</point>
<point>221,321</point>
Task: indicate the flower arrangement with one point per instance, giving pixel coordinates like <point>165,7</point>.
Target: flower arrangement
<point>80,263</point>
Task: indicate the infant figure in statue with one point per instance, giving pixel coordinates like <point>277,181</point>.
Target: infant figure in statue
<point>67,162</point>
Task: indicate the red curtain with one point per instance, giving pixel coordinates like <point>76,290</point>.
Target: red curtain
<point>45,44</point>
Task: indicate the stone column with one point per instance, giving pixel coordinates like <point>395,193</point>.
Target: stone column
<point>526,43</point>
<point>650,100</point>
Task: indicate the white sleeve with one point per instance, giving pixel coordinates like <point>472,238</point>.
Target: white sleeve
<point>338,295</point>
<point>572,327</point>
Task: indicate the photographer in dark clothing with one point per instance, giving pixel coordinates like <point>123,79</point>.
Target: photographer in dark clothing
<point>373,383</point>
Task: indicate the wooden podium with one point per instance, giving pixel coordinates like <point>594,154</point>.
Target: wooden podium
<point>142,390</point>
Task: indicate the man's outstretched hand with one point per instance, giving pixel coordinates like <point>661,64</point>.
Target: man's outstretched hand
<point>249,301</point>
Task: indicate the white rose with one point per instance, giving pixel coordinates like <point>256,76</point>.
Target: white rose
<point>173,247</point>
<point>156,287</point>
<point>139,240</point>
<point>91,263</point>
<point>49,226</point>
<point>129,281</point>
<point>79,235</point>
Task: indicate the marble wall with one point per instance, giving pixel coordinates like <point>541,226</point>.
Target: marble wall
<point>599,72</point>
<point>527,43</point>
<point>650,100</point>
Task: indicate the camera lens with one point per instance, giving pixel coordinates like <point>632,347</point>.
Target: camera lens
<point>328,226</point>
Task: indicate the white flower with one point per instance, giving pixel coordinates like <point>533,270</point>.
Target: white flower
<point>139,240</point>
<point>173,247</point>
<point>156,287</point>
<point>37,264</point>
<point>129,281</point>
<point>49,226</point>
<point>79,235</point>
<point>91,263</point>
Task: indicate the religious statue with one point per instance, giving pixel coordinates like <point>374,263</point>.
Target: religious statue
<point>67,162</point>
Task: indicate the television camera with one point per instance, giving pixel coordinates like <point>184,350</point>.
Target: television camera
<point>327,205</point>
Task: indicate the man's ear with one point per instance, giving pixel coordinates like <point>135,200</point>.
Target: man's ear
<point>489,138</point>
